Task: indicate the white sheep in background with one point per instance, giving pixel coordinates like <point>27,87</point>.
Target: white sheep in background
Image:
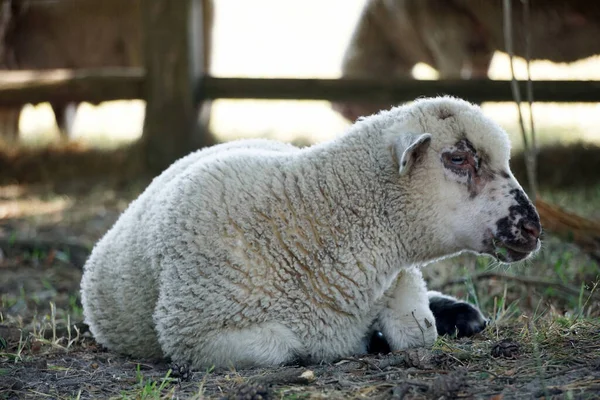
<point>257,253</point>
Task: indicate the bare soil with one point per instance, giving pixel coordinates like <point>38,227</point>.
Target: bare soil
<point>566,363</point>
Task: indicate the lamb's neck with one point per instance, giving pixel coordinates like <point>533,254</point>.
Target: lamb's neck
<point>350,184</point>
<point>367,195</point>
<point>346,177</point>
<point>412,216</point>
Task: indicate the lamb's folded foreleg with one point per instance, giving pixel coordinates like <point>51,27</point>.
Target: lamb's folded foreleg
<point>406,319</point>
<point>414,317</point>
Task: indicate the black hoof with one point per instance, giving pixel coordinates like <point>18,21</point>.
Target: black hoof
<point>456,318</point>
<point>378,344</point>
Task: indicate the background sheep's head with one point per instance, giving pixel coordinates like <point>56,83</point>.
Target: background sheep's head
<point>456,162</point>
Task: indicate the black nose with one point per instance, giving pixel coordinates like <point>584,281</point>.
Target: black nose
<point>531,229</point>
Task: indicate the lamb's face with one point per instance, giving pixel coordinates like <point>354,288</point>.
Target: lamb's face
<point>489,211</point>
<point>482,206</point>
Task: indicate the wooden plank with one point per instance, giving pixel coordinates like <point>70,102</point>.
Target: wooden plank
<point>174,64</point>
<point>93,85</point>
<point>393,91</point>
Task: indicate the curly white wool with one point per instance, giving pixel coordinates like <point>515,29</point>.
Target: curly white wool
<point>259,253</point>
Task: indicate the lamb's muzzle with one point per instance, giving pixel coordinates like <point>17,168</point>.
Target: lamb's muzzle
<point>518,234</point>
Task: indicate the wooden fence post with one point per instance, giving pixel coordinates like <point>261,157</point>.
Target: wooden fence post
<point>174,62</point>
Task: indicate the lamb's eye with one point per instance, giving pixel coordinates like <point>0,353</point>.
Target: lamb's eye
<point>457,159</point>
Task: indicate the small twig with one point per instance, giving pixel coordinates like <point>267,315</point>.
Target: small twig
<point>426,372</point>
<point>366,363</point>
<point>408,372</point>
<point>531,153</point>
<point>535,281</point>
<point>562,372</point>
<point>514,85</point>
<point>537,356</point>
<point>396,359</point>
<point>412,382</point>
<point>496,376</point>
<point>586,301</point>
<point>420,327</point>
<point>456,359</point>
<point>508,43</point>
<point>386,373</point>
<point>286,377</point>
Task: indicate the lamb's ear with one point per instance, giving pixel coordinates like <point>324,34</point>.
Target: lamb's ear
<point>407,149</point>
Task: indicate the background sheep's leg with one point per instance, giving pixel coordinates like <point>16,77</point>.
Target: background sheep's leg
<point>64,113</point>
<point>9,123</point>
<point>406,321</point>
<point>372,52</point>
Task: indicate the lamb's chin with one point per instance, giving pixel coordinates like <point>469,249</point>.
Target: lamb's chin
<point>510,256</point>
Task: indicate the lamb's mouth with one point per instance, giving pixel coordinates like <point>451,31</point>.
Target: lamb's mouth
<point>507,252</point>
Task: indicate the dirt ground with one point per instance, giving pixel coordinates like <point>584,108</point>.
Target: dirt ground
<point>543,340</point>
<point>564,365</point>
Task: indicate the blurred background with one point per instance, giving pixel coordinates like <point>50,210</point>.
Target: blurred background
<point>305,39</point>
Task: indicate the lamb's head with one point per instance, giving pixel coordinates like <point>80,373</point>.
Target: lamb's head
<point>456,163</point>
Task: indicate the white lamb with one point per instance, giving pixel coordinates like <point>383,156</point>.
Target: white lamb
<point>257,253</point>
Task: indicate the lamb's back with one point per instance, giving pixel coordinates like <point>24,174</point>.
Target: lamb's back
<point>121,278</point>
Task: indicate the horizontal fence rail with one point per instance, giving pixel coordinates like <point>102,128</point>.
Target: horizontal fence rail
<point>370,90</point>
<point>67,85</point>
<point>22,87</point>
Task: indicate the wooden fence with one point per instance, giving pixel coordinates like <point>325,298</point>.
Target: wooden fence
<point>21,87</point>
<point>173,90</point>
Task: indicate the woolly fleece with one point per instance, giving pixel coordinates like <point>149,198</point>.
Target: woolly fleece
<point>257,253</point>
